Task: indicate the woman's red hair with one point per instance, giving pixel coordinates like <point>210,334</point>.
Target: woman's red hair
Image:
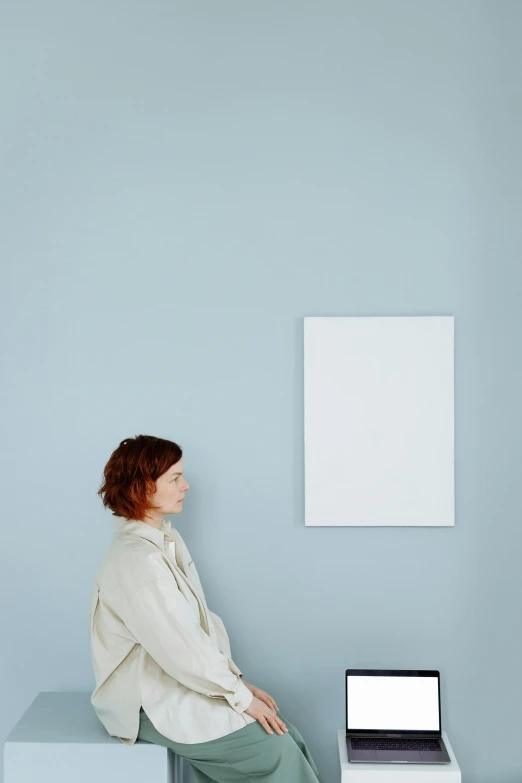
<point>131,473</point>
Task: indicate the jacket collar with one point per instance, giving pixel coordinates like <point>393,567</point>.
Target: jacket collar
<point>161,537</point>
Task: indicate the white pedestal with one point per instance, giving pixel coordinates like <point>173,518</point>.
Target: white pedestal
<point>363,772</point>
<point>60,739</point>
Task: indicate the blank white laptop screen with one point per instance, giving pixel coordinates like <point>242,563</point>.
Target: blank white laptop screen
<point>399,703</point>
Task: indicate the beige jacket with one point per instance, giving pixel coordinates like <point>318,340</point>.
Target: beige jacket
<point>156,644</point>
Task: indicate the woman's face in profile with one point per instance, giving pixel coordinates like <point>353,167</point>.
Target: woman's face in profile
<point>171,488</point>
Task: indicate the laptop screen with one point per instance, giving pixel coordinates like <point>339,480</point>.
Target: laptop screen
<point>393,702</point>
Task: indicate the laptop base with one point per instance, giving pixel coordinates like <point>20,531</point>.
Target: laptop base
<point>398,756</point>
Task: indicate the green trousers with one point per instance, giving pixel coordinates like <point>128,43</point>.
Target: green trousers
<point>247,755</point>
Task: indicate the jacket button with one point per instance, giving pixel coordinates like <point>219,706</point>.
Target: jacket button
<point>236,704</point>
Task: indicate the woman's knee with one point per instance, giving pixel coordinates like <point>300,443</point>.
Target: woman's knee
<point>295,733</point>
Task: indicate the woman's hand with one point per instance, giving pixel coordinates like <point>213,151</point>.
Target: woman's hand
<point>259,710</point>
<point>263,695</point>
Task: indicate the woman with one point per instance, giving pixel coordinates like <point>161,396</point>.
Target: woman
<point>162,661</point>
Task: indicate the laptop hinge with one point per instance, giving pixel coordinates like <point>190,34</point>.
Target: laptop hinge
<point>401,736</point>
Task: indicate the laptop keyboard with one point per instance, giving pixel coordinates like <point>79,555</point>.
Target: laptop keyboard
<point>376,743</point>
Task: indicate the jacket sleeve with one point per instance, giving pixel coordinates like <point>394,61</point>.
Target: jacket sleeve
<point>224,642</point>
<point>161,620</point>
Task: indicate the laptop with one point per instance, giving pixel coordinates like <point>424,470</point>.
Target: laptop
<point>393,717</point>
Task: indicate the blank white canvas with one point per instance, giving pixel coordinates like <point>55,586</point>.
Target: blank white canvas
<point>379,420</point>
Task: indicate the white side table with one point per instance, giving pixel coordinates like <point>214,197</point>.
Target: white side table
<point>396,773</point>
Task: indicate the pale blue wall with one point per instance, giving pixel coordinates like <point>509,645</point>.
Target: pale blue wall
<point>181,184</point>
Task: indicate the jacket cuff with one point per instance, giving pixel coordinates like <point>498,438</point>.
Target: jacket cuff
<point>241,699</point>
